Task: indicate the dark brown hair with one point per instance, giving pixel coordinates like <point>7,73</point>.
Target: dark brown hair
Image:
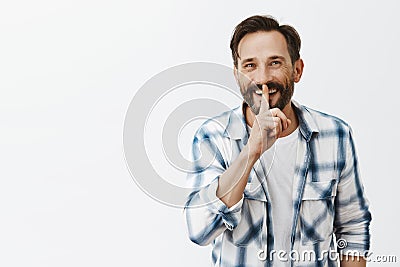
<point>265,23</point>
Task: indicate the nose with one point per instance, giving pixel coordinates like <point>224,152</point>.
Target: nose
<point>262,76</point>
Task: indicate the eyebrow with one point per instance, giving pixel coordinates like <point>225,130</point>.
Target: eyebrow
<point>247,60</point>
<point>270,58</point>
<point>277,57</point>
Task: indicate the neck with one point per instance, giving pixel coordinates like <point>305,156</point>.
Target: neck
<point>288,111</point>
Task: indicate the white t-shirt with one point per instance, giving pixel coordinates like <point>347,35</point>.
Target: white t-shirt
<point>279,163</point>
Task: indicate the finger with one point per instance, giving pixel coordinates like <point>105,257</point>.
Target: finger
<point>276,129</point>
<point>271,123</point>
<point>277,121</point>
<point>279,126</point>
<point>264,99</point>
<point>276,112</point>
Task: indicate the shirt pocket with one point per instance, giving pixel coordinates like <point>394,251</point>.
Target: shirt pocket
<point>317,211</point>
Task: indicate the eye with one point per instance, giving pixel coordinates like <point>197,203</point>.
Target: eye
<point>249,65</point>
<point>276,63</point>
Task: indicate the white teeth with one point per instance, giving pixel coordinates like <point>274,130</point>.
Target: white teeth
<point>259,92</point>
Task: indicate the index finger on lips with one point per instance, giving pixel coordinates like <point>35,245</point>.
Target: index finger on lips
<point>264,99</point>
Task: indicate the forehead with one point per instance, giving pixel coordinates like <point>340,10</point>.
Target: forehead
<point>263,44</point>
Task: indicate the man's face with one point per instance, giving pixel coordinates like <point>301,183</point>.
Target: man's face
<point>264,59</point>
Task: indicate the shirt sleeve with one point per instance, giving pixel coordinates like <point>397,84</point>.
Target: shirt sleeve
<point>352,216</point>
<point>206,215</point>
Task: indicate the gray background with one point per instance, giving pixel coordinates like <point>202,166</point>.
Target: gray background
<point>69,69</point>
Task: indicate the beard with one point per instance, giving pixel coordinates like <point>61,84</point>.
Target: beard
<point>286,92</point>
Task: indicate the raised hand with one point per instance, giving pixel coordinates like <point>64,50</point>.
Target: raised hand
<point>267,126</point>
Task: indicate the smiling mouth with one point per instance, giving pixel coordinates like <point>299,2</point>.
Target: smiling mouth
<point>270,91</point>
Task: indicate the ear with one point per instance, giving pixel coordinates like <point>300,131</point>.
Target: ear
<point>235,73</point>
<point>298,70</point>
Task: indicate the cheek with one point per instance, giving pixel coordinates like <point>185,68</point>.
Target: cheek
<point>286,74</point>
<point>244,83</point>
<point>244,79</point>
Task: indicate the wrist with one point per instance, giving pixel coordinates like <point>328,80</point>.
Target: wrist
<point>251,152</point>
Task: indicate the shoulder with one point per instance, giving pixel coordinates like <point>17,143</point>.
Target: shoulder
<point>217,125</point>
<point>323,118</point>
<point>328,124</point>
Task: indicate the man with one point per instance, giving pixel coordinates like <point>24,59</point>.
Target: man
<point>275,183</point>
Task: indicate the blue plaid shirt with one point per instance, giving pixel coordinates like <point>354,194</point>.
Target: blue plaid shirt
<point>329,202</point>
